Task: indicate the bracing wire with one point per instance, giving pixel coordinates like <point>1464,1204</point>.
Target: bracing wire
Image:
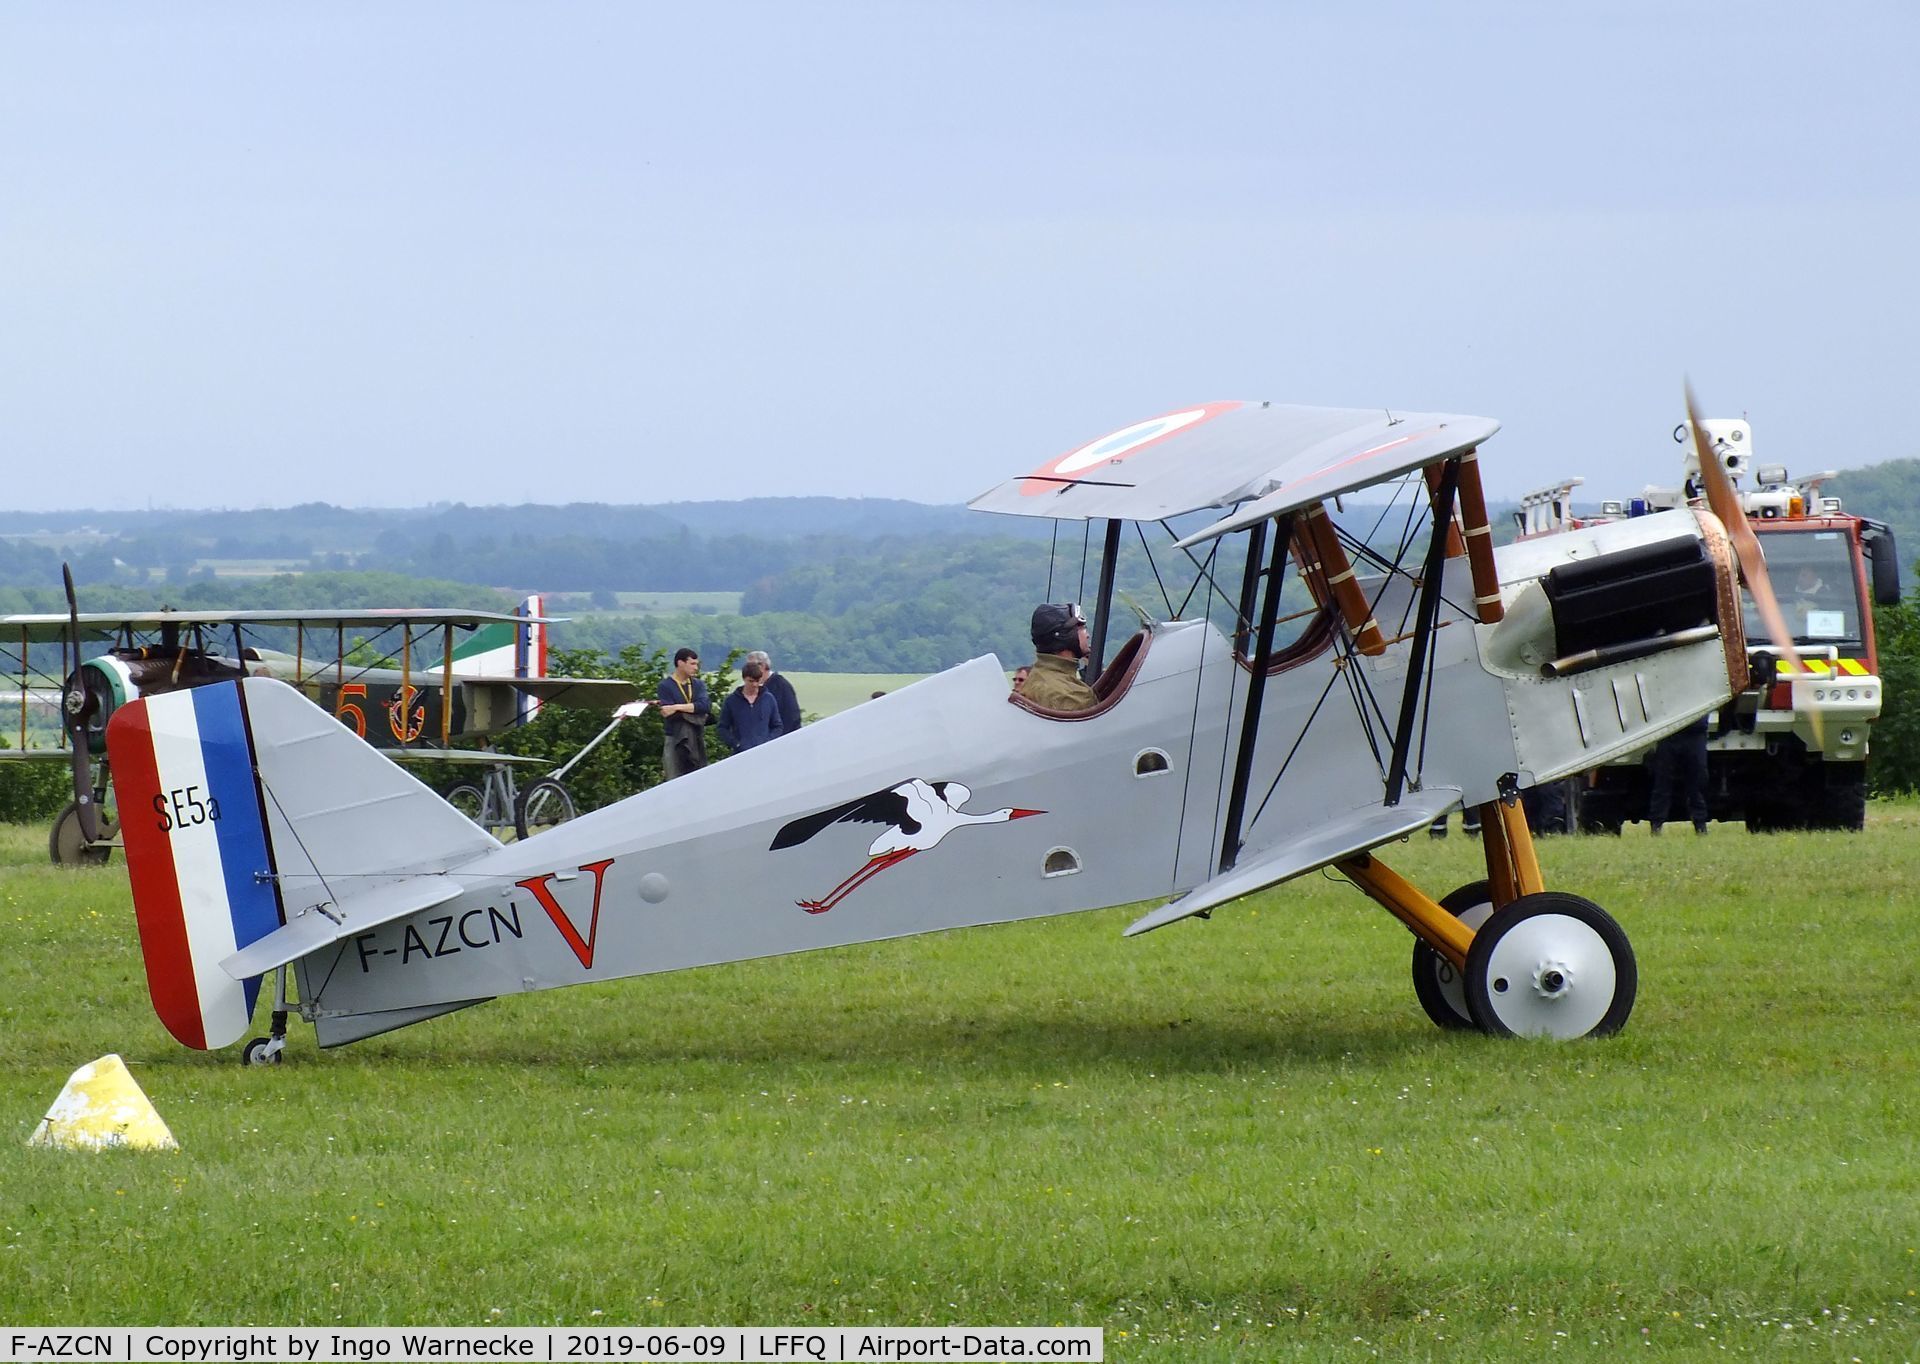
<point>1141,532</point>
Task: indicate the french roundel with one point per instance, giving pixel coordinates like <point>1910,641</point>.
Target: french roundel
<point>1116,447</point>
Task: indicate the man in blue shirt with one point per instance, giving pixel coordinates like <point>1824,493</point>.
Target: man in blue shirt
<point>750,716</point>
<point>685,708</point>
<point>781,690</point>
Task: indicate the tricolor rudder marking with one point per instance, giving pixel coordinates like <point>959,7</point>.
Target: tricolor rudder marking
<point>197,851</point>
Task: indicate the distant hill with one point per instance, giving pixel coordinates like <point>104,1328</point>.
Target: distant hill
<point>1887,492</point>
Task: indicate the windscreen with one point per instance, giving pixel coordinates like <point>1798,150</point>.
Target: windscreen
<point>1813,575</point>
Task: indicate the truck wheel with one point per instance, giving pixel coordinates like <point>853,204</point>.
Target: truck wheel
<point>1846,797</point>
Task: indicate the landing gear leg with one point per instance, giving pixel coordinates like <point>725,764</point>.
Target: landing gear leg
<point>269,1050</point>
<point>1542,964</point>
<point>1505,955</point>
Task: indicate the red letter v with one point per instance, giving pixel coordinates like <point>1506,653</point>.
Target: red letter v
<point>542,893</point>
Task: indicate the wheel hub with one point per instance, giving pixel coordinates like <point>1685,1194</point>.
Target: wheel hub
<point>1552,979</point>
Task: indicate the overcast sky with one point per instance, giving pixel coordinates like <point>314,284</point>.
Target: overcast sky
<point>382,254</point>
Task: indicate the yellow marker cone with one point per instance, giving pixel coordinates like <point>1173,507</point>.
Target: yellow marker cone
<point>102,1108</point>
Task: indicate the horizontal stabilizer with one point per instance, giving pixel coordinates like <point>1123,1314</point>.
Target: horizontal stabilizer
<point>325,924</point>
<point>1359,831</point>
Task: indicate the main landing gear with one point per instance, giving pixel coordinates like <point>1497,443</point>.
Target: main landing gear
<point>1504,955</point>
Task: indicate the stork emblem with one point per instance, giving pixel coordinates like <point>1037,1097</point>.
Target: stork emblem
<point>917,815</point>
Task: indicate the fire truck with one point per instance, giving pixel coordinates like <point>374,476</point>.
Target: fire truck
<point>1789,752</point>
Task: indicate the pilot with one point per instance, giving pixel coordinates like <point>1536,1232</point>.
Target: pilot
<point>1059,643</point>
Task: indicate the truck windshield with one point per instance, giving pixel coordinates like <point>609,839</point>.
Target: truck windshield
<point>1813,575</point>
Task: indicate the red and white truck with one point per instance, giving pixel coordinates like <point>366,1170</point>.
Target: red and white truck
<point>1789,752</point>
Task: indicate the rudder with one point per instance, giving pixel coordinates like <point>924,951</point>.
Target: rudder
<point>193,823</point>
<point>243,806</point>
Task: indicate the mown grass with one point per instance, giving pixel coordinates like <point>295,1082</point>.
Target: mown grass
<point>1227,1140</point>
<point>725,603</point>
<point>825,694</point>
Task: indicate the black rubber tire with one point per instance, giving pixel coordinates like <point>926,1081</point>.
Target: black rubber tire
<point>255,1053</point>
<point>1482,958</point>
<point>1845,805</point>
<point>67,848</point>
<point>542,805</point>
<point>468,799</point>
<point>1433,972</point>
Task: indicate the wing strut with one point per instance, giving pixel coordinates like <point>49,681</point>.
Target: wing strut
<point>1103,600</point>
<point>446,687</point>
<point>1257,683</point>
<point>1428,619</point>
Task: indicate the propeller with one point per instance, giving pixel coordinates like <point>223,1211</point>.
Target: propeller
<point>1725,504</point>
<point>76,705</point>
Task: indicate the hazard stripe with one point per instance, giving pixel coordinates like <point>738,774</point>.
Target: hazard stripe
<point>1819,667</point>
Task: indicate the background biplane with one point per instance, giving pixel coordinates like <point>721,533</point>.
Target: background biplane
<point>1219,760</point>
<point>408,681</point>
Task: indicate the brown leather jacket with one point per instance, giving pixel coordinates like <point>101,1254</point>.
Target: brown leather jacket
<point>1055,684</point>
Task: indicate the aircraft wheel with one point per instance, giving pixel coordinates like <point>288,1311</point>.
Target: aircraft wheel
<point>1550,965</point>
<point>467,799</point>
<point>542,805</point>
<point>260,1052</point>
<point>1436,984</point>
<point>68,847</point>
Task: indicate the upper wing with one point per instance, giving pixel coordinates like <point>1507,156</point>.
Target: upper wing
<point>882,807</point>
<point>44,627</point>
<point>1220,454</point>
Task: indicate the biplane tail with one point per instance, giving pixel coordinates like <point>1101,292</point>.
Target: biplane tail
<point>510,651</point>
<point>243,807</point>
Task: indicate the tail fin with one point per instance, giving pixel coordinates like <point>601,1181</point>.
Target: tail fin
<point>244,805</point>
<point>502,650</point>
<point>530,654</point>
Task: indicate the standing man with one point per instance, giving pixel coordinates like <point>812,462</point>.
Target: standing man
<point>1059,643</point>
<point>1680,759</point>
<point>781,690</point>
<point>750,716</point>
<point>685,708</point>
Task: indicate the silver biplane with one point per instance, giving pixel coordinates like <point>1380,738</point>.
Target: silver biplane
<point>266,839</point>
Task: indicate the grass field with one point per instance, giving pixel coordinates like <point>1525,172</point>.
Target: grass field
<point>1237,1139</point>
<point>663,603</point>
<point>825,694</point>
